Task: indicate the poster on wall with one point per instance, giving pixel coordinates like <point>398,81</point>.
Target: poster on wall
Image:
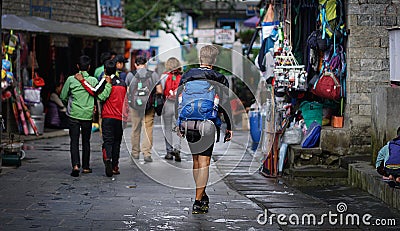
<point>109,13</point>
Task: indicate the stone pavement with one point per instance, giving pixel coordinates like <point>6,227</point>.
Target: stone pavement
<point>40,195</point>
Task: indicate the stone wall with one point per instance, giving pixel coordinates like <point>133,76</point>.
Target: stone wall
<point>368,64</point>
<point>385,119</point>
<point>80,11</point>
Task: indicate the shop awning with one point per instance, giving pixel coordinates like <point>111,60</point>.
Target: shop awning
<point>252,22</point>
<point>42,25</point>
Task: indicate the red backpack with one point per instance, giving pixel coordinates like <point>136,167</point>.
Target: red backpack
<point>171,85</point>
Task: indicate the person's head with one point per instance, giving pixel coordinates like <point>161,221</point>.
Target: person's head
<point>110,67</point>
<point>208,55</point>
<point>398,131</point>
<point>84,63</point>
<point>173,64</point>
<point>120,61</point>
<point>105,56</point>
<point>140,61</point>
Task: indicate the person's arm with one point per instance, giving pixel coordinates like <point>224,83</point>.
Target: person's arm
<point>156,80</point>
<point>54,97</point>
<point>225,105</point>
<point>383,152</point>
<point>93,91</point>
<point>65,91</point>
<point>107,90</point>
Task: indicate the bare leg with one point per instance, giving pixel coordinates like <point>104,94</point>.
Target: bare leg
<point>200,174</point>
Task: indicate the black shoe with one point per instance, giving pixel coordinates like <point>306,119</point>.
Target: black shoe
<point>177,155</point>
<point>75,172</point>
<point>205,201</point>
<point>169,156</point>
<point>199,208</point>
<point>109,171</point>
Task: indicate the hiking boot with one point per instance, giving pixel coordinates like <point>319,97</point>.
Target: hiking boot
<point>169,156</point>
<point>177,155</point>
<point>116,170</point>
<point>205,201</point>
<point>109,170</point>
<point>148,159</point>
<point>199,208</point>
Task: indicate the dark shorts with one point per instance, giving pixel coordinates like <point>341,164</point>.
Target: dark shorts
<point>200,145</point>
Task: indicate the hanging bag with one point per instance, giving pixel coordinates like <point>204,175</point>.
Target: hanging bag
<point>327,87</point>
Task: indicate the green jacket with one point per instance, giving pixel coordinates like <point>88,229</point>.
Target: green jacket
<point>79,102</point>
<point>98,71</point>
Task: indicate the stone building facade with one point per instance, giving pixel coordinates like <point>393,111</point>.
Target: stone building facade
<point>368,67</point>
<point>80,11</point>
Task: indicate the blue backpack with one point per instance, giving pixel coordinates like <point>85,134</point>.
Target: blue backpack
<point>198,102</point>
<point>312,136</point>
<point>394,154</point>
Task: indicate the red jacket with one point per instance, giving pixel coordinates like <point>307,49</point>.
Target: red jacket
<point>115,103</point>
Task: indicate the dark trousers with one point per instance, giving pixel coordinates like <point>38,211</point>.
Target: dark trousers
<point>76,127</point>
<point>112,137</point>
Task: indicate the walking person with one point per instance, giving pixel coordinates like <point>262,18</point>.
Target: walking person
<point>142,84</point>
<point>80,112</point>
<point>114,114</point>
<point>170,82</point>
<point>202,95</point>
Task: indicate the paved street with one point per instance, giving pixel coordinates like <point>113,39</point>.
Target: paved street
<point>41,195</point>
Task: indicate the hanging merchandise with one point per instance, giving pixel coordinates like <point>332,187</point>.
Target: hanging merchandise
<point>10,43</point>
<point>288,73</point>
<point>327,87</point>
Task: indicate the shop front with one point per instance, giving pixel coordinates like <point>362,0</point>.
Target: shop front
<point>38,54</point>
<point>304,72</point>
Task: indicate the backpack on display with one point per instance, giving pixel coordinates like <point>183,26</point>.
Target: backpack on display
<point>171,85</point>
<point>327,86</point>
<point>199,102</point>
<point>141,92</point>
<point>311,139</point>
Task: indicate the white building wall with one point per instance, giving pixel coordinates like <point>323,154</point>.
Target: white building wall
<point>166,43</point>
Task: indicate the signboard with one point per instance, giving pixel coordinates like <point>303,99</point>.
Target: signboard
<point>224,36</point>
<point>40,8</point>
<point>109,13</point>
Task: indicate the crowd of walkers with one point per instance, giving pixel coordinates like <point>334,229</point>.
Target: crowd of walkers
<point>180,98</point>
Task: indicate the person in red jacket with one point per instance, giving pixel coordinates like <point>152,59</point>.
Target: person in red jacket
<point>114,114</point>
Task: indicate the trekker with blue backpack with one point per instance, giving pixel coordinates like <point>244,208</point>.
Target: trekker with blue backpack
<point>388,161</point>
<point>202,94</point>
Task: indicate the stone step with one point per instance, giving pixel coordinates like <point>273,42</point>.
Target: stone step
<point>364,176</point>
<point>315,176</point>
<point>316,171</point>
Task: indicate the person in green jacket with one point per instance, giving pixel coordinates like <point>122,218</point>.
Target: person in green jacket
<point>80,106</point>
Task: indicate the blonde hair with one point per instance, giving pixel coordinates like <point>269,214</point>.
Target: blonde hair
<point>208,55</point>
<point>173,64</point>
